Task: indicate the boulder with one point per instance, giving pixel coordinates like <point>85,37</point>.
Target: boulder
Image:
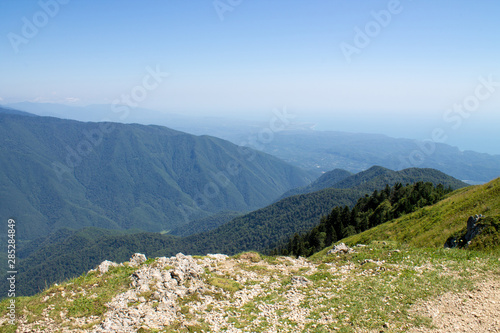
<point>465,236</point>
<point>105,265</point>
<point>340,248</point>
<point>137,259</point>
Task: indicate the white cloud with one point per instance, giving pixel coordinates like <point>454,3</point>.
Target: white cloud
<point>1,99</point>
<point>55,100</point>
<point>72,100</point>
<point>39,99</point>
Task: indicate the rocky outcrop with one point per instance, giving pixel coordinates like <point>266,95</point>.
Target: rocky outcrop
<point>152,299</point>
<point>340,248</point>
<point>463,238</point>
<point>137,259</point>
<point>104,267</point>
<point>253,293</point>
<point>159,291</point>
<point>473,229</point>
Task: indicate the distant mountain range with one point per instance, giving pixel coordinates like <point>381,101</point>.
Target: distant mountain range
<point>354,152</point>
<point>111,189</point>
<point>67,174</point>
<point>298,144</point>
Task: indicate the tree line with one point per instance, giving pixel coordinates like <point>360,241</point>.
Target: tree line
<point>369,211</point>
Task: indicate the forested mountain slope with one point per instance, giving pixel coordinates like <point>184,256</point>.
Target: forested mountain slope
<point>376,177</point>
<point>326,180</point>
<point>60,173</point>
<point>369,211</point>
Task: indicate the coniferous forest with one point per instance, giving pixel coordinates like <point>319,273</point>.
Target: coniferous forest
<point>369,211</point>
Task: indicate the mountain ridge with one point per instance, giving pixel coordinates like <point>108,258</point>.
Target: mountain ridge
<point>376,177</point>
<point>128,176</point>
<point>318,151</point>
<point>354,152</point>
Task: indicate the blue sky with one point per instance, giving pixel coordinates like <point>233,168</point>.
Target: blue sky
<point>253,55</point>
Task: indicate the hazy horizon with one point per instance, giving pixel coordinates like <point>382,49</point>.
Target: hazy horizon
<point>400,68</point>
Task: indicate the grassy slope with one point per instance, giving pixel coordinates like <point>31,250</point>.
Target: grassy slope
<point>373,289</point>
<point>431,226</point>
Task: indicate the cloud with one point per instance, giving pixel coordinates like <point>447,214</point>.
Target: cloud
<point>72,100</point>
<point>1,99</point>
<point>55,100</point>
<point>39,99</point>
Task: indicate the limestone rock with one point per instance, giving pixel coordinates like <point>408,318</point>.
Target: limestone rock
<point>156,288</point>
<point>105,265</point>
<point>219,257</point>
<point>341,248</point>
<point>300,280</point>
<point>464,238</point>
<point>137,259</point>
<point>472,228</point>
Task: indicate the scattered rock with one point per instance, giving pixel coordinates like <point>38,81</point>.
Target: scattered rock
<point>376,262</point>
<point>157,290</point>
<point>465,236</point>
<point>251,256</point>
<point>300,280</point>
<point>105,265</point>
<point>218,256</point>
<point>341,248</point>
<point>199,294</point>
<point>137,259</point>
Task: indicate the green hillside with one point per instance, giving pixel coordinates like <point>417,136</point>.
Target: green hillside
<point>204,224</point>
<point>382,287</point>
<point>369,211</point>
<point>377,177</point>
<point>431,226</point>
<point>326,180</point>
<point>66,174</point>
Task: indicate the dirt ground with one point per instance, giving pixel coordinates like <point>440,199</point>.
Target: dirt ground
<point>474,311</point>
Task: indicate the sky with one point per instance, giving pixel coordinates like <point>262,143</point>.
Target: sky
<point>404,68</point>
